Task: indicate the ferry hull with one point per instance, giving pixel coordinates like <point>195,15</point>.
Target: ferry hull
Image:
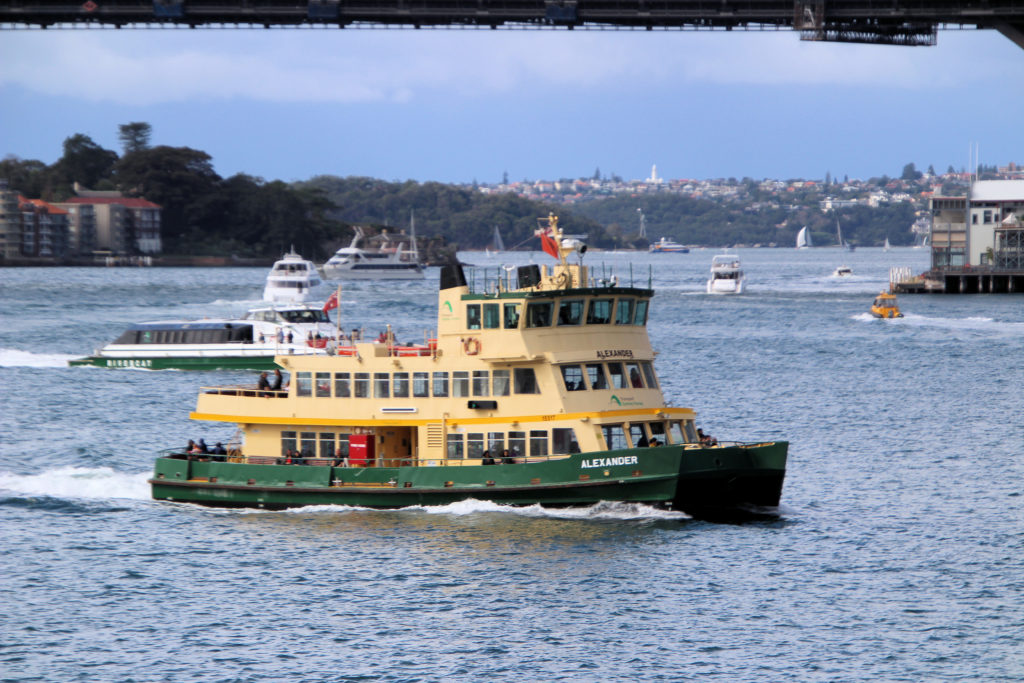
<point>181,363</point>
<point>700,482</point>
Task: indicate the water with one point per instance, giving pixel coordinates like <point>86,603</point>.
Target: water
<point>899,555</point>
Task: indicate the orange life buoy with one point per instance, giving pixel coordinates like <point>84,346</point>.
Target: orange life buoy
<point>471,346</point>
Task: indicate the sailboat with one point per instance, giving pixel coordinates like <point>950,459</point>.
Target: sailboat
<point>839,237</point>
<point>886,246</point>
<point>803,238</point>
<point>496,242</point>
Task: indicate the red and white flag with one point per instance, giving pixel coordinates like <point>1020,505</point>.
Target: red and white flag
<point>332,301</point>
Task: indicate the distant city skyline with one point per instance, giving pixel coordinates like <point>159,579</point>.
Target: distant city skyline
<point>464,106</point>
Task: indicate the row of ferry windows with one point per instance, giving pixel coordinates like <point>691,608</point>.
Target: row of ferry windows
<point>632,375</point>
<point>416,384</point>
<point>532,443</point>
<point>626,311</point>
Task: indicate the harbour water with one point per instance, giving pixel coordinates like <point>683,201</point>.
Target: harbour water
<point>898,554</point>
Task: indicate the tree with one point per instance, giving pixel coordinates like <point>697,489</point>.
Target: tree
<point>134,136</point>
<point>910,172</point>
<point>83,162</point>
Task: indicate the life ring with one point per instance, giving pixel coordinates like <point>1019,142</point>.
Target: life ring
<point>471,346</point>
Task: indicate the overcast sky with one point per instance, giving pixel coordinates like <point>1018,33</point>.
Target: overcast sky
<point>458,106</point>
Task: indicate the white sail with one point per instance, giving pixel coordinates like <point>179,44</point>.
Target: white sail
<point>886,245</point>
<point>499,245</point>
<point>803,238</point>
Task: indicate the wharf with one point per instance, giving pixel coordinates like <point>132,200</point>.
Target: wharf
<point>958,280</point>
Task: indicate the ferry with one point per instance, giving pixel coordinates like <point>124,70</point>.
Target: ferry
<point>389,263</point>
<point>538,389</point>
<point>667,246</point>
<point>251,342</point>
<point>292,279</point>
<point>885,306</point>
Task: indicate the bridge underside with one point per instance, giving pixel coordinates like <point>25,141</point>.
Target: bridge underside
<point>893,22</point>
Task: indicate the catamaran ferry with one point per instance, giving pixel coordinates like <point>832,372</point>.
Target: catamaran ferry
<point>540,390</point>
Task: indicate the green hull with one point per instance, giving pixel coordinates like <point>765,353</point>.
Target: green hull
<point>183,363</point>
<point>706,483</point>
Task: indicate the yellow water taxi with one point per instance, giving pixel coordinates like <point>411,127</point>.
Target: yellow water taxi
<point>885,306</point>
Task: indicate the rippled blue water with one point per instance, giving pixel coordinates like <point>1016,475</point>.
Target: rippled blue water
<point>899,555</point>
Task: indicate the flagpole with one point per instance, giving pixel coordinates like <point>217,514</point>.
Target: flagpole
<point>338,315</point>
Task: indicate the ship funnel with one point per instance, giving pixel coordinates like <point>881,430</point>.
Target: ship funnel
<point>452,276</point>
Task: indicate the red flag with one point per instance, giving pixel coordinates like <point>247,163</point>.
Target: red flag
<point>332,302</point>
<point>549,244</point>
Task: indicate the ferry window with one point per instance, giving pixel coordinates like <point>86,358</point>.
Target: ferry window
<point>637,435</point>
<point>563,441</point>
<point>342,451</point>
<point>342,385</point>
<point>691,433</point>
<point>624,312</point>
<point>511,316</point>
<point>400,385</point>
<point>600,312</point>
<point>652,381</point>
<point>440,384</point>
<point>326,445</point>
<point>635,380</point>
<point>473,316</point>
<point>538,314</point>
<point>516,443</point>
<point>496,443</point>
<point>362,385</point>
<point>460,384</point>
<point>618,377</point>
<point>525,381</point>
<point>455,449</point>
<point>595,373</point>
<point>421,384</point>
<point>538,442</point>
<point>303,384</point>
<point>381,385</point>
<point>474,445</point>
<point>675,430</point>
<point>570,312</point>
<point>323,384</point>
<point>288,442</point>
<point>614,437</point>
<point>500,387</point>
<point>308,444</point>
<point>572,375</point>
<point>640,316</point>
<point>492,317</point>
<point>481,383</point>
<point>658,432</point>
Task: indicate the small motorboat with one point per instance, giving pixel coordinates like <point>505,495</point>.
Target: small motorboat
<point>885,306</point>
<point>842,271</point>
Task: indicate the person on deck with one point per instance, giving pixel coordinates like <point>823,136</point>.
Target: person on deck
<point>264,383</point>
<point>487,459</point>
<point>276,386</point>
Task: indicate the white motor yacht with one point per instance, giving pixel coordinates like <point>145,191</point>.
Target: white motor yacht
<point>726,275</point>
<point>842,271</point>
<point>291,280</point>
<point>388,263</point>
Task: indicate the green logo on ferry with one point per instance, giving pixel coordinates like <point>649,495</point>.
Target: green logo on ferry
<point>616,399</point>
<point>449,305</point>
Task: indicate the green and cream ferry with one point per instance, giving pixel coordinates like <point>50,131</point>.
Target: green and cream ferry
<point>540,390</point>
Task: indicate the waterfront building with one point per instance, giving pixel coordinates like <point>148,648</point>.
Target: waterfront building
<point>984,228</point>
<point>44,229</point>
<point>10,223</point>
<point>122,224</point>
<point>81,227</point>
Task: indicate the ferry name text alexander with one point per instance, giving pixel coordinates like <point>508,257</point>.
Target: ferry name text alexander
<point>609,462</point>
<point>615,353</point>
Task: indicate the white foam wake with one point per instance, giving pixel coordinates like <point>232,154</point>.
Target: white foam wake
<point>78,482</point>
<point>15,358</point>
<point>613,510</point>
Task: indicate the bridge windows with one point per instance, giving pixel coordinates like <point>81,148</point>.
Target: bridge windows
<point>525,381</point>
<point>512,316</point>
<point>572,375</point>
<point>617,375</point>
<point>600,312</point>
<point>538,313</point>
<point>570,312</point>
<point>624,312</point>
<point>473,317</point>
<point>596,376</point>
<point>492,317</point>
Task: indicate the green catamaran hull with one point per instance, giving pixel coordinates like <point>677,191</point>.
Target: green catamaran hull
<point>181,363</point>
<point>703,482</point>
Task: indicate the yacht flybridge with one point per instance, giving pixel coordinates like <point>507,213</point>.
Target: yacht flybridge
<point>549,376</point>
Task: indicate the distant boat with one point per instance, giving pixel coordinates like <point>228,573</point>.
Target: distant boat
<point>803,239</point>
<point>726,275</point>
<point>667,246</point>
<point>886,246</point>
<point>291,279</point>
<point>842,271</point>
<point>499,244</point>
<point>839,237</point>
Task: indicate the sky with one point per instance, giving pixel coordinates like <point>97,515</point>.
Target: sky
<point>459,106</point>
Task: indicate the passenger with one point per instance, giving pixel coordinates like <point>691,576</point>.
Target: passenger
<point>654,442</point>
<point>191,446</point>
<point>507,458</point>
<point>356,336</point>
<point>219,449</point>
<point>264,383</point>
<point>487,459</point>
<point>262,338</point>
<point>276,386</point>
<point>203,448</point>
<point>381,338</point>
<point>634,379</point>
<point>280,335</point>
<point>290,337</point>
<point>194,447</point>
